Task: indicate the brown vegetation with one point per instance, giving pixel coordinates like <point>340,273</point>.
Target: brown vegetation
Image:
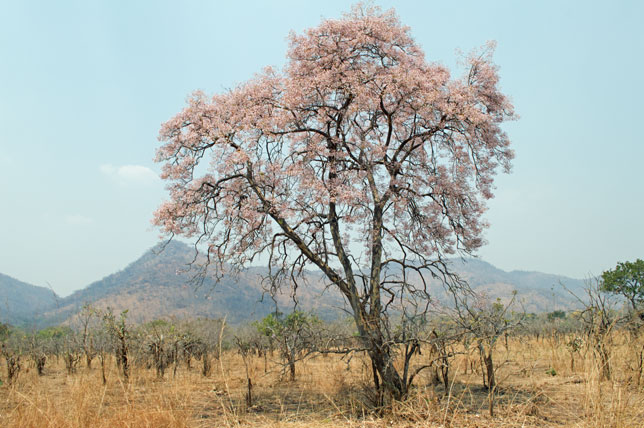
<point>537,387</point>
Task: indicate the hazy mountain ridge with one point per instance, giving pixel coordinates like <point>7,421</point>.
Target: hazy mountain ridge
<point>157,285</point>
<point>537,291</point>
<point>19,301</point>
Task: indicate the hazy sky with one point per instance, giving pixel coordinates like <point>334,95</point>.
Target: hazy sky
<point>84,87</point>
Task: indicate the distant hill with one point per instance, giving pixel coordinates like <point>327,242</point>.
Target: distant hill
<point>19,301</point>
<point>536,291</point>
<point>158,285</point>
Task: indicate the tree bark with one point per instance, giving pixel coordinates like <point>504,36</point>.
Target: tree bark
<point>489,369</point>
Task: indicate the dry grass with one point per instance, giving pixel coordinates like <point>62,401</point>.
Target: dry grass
<point>537,389</point>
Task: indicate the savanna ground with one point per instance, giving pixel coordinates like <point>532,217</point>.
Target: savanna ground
<point>537,388</point>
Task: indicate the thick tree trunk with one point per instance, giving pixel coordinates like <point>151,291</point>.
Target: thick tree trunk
<point>376,384</point>
<point>390,382</point>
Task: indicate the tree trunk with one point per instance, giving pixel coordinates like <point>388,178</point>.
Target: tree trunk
<point>13,368</point>
<point>376,384</point>
<point>487,366</point>
<point>640,366</point>
<point>482,364</point>
<point>489,369</point>
<point>491,402</point>
<point>123,358</point>
<point>205,357</point>
<point>249,394</point>
<point>40,364</point>
<point>604,357</point>
<point>291,366</point>
<point>445,373</point>
<point>390,381</point>
<point>103,369</point>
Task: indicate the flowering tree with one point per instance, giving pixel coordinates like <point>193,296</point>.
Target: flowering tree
<point>359,158</point>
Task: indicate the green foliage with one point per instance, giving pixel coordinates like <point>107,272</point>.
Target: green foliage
<point>160,325</point>
<point>276,324</point>
<point>118,328</point>
<point>556,315</point>
<point>292,334</point>
<point>627,280</point>
<point>57,332</point>
<point>497,307</point>
<point>269,324</point>
<point>5,331</point>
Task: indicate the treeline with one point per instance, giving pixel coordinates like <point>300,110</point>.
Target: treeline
<point>95,336</point>
<point>475,328</point>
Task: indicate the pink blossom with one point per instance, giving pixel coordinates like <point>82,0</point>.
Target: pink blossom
<point>357,132</point>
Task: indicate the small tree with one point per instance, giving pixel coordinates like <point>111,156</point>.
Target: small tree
<point>11,350</point>
<point>626,280</point>
<point>38,352</point>
<point>444,334</point>
<point>159,336</point>
<point>103,345</point>
<point>208,333</point>
<point>120,333</point>
<point>599,319</point>
<point>72,352</point>
<point>487,322</point>
<point>55,339</point>
<point>244,339</point>
<point>85,319</point>
<point>292,334</point>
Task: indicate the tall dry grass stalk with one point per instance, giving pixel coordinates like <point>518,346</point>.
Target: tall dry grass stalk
<point>537,388</point>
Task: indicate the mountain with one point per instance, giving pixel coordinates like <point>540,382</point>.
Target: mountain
<point>158,285</point>
<point>536,291</point>
<point>161,284</point>
<point>19,301</point>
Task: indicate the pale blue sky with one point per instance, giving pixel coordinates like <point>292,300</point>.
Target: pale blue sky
<point>84,87</point>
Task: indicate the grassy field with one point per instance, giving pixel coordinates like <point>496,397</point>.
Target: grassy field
<point>537,388</point>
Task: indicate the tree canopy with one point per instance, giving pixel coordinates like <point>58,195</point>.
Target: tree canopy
<point>627,279</point>
<point>358,158</point>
